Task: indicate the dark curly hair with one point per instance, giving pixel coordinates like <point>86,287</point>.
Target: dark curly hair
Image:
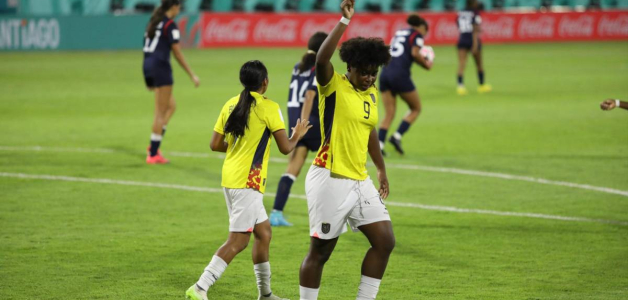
<point>416,21</point>
<point>362,52</point>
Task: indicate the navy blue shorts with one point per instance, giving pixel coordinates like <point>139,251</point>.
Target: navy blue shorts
<point>312,139</point>
<point>395,83</point>
<point>466,42</point>
<point>157,74</point>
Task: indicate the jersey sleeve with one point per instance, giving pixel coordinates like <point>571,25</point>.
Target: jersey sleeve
<point>477,19</point>
<point>313,83</point>
<point>331,87</point>
<point>419,41</point>
<point>173,33</point>
<point>222,120</point>
<point>274,118</point>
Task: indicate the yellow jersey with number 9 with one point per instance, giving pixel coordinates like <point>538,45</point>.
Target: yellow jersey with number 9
<point>246,164</point>
<point>348,116</point>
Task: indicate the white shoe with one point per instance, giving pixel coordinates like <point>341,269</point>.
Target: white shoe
<point>271,297</point>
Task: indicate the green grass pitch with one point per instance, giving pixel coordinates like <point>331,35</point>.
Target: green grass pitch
<point>68,238</point>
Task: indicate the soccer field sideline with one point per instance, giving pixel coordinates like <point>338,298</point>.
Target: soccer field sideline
<point>303,197</point>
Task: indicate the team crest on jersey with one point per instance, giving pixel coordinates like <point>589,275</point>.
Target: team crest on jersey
<point>326,227</point>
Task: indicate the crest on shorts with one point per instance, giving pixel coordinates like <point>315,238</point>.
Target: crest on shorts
<point>326,227</point>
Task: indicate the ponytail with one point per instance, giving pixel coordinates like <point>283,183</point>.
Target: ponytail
<point>252,76</point>
<point>158,15</point>
<point>309,58</point>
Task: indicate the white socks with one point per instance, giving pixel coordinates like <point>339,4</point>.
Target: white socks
<point>308,293</point>
<point>262,273</point>
<point>155,137</point>
<point>213,271</point>
<point>368,288</point>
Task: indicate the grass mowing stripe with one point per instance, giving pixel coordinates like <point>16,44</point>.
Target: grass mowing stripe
<point>390,203</point>
<point>390,166</point>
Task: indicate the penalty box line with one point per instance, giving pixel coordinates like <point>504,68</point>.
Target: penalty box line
<point>388,203</point>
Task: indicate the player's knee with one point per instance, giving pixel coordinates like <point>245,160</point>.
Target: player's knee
<point>385,245</point>
<point>320,255</point>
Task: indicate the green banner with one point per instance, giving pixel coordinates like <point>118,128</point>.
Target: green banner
<point>105,32</point>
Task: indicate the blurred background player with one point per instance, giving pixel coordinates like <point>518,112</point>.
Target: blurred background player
<point>302,104</point>
<point>337,186</point>
<point>396,79</point>
<point>244,130</point>
<point>469,22</point>
<point>610,104</point>
<point>162,35</point>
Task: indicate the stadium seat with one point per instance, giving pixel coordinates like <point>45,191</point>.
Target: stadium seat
<point>622,3</point>
<point>277,5</point>
<point>332,5</point>
<point>96,7</point>
<point>385,5</point>
<point>130,4</point>
<point>306,5</point>
<point>222,5</point>
<point>530,3</point>
<point>191,6</point>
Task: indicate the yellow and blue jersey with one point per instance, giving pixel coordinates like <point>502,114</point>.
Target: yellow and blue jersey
<point>348,116</point>
<point>246,163</point>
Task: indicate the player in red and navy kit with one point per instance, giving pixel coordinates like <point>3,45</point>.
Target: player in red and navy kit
<point>469,22</point>
<point>303,104</point>
<point>395,79</point>
<point>162,35</point>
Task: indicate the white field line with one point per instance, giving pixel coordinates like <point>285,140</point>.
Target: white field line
<point>390,166</point>
<point>388,203</point>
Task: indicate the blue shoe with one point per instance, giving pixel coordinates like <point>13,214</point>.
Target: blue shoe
<point>277,219</point>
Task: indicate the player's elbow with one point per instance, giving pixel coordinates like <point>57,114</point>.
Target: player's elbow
<point>285,150</point>
<point>216,146</point>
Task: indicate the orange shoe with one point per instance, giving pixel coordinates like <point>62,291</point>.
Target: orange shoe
<point>156,160</point>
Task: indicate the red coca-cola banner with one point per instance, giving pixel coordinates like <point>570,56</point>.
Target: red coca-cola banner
<point>281,30</point>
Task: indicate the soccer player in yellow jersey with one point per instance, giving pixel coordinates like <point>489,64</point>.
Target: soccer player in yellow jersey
<point>337,185</point>
<point>244,129</point>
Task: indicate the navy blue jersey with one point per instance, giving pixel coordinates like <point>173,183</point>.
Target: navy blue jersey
<point>158,48</point>
<point>401,51</point>
<point>466,20</point>
<point>299,84</point>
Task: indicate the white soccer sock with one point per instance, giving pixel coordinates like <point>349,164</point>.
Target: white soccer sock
<point>381,145</point>
<point>213,271</point>
<point>155,137</point>
<point>262,273</point>
<point>308,293</point>
<point>368,288</point>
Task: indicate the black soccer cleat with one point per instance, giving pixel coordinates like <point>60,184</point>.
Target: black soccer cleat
<point>384,153</point>
<point>397,144</point>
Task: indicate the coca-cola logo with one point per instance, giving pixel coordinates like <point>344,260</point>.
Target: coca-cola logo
<point>502,28</point>
<point>235,30</point>
<point>284,31</point>
<point>310,27</point>
<point>446,29</point>
<point>372,28</point>
<point>581,26</point>
<point>615,27</point>
<point>542,27</point>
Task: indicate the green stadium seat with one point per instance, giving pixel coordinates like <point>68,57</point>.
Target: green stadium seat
<point>438,5</point>
<point>530,3</point>
<point>622,3</point>
<point>192,6</point>
<point>385,5</point>
<point>332,5</point>
<point>306,5</point>
<point>130,4</point>
<point>278,5</point>
<point>96,7</point>
<point>222,5</point>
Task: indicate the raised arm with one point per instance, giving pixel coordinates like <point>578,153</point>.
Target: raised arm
<point>376,155</point>
<point>324,68</point>
<point>178,55</point>
<point>285,144</point>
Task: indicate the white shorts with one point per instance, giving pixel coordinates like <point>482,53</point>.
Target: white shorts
<point>332,202</point>
<point>246,209</point>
